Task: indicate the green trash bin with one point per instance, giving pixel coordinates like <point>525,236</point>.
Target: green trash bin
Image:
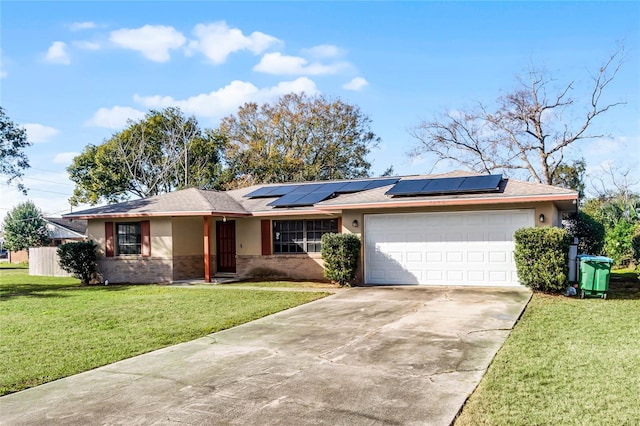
<point>594,275</point>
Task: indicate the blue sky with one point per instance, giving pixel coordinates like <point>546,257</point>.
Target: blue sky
<point>73,72</point>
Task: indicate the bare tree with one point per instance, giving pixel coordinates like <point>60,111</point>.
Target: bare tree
<point>611,182</point>
<point>162,152</point>
<point>529,130</point>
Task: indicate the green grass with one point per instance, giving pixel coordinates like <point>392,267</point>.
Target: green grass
<point>53,327</point>
<point>283,284</point>
<point>567,361</point>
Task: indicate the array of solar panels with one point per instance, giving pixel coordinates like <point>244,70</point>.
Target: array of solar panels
<point>295,195</point>
<point>454,185</point>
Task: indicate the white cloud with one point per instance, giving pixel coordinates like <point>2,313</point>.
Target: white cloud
<point>356,84</point>
<point>279,64</point>
<point>77,26</point>
<point>153,41</point>
<point>324,51</point>
<point>217,41</point>
<point>227,99</point>
<point>115,117</point>
<point>86,45</point>
<point>65,157</point>
<point>58,54</point>
<point>38,133</point>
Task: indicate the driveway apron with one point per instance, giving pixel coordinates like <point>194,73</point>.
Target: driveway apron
<point>365,356</point>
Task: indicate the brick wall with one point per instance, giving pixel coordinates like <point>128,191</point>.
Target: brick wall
<point>138,270</point>
<point>188,267</point>
<point>18,256</point>
<point>296,267</point>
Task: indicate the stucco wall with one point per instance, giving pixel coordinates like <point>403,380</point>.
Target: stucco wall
<point>248,237</point>
<point>161,237</point>
<point>95,232</point>
<point>188,236</point>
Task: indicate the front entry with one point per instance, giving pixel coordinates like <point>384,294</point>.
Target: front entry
<point>226,246</point>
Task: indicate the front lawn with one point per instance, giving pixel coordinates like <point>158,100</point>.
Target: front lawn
<point>53,327</point>
<point>284,284</point>
<point>567,361</point>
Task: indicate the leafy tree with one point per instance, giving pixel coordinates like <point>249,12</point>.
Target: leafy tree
<point>79,258</point>
<point>297,138</point>
<point>615,207</point>
<point>24,227</point>
<point>618,243</point>
<point>528,131</point>
<point>162,152</point>
<point>590,233</point>
<point>571,176</point>
<point>13,160</point>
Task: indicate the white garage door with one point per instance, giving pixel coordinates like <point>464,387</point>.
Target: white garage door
<point>456,248</point>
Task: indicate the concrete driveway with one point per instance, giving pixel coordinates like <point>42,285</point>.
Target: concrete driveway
<point>389,355</point>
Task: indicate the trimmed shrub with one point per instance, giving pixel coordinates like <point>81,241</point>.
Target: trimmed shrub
<point>79,259</point>
<point>542,258</point>
<point>590,232</point>
<point>340,253</point>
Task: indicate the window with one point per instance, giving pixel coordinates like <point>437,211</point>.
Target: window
<point>129,238</point>
<point>301,236</point>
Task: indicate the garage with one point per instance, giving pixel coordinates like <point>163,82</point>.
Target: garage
<point>444,248</point>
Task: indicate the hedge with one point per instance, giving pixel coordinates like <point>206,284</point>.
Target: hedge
<point>79,258</point>
<point>542,258</point>
<point>340,253</point>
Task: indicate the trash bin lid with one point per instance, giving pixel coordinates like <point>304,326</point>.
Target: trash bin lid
<point>592,258</point>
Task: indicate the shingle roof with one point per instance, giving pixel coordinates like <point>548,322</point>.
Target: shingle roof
<point>189,201</point>
<point>194,201</point>
<point>75,225</point>
<point>509,188</point>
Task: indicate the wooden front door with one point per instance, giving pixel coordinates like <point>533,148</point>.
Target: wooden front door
<point>226,246</point>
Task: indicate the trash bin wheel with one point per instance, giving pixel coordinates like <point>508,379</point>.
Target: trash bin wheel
<point>581,294</point>
<point>604,295</point>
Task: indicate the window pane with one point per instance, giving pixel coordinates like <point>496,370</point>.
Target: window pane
<point>300,236</point>
<point>129,238</point>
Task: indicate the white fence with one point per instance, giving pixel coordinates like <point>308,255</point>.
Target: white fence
<point>44,261</point>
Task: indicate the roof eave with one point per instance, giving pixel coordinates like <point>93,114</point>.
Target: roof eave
<point>271,213</point>
<point>451,202</point>
<point>155,214</point>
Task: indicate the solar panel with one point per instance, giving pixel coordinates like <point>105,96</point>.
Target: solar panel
<point>408,187</point>
<point>314,197</point>
<point>272,191</point>
<point>356,186</point>
<point>260,192</point>
<point>484,183</point>
<point>381,182</point>
<point>307,195</point>
<point>442,185</point>
<point>481,183</point>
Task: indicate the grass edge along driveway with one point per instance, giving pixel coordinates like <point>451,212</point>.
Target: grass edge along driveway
<point>53,328</point>
<point>566,362</point>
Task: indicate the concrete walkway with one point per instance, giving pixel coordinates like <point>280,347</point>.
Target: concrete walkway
<point>365,356</point>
